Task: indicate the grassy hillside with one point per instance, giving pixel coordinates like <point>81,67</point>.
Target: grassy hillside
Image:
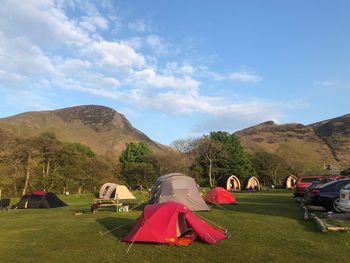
<point>264,227</point>
<point>103,129</point>
<point>329,141</point>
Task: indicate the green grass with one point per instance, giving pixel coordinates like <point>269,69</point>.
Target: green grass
<point>264,227</point>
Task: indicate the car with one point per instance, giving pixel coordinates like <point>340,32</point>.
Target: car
<point>344,201</point>
<point>305,181</point>
<point>318,183</point>
<point>315,184</point>
<point>328,195</point>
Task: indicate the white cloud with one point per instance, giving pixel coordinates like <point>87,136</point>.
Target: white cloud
<point>41,45</point>
<point>91,23</point>
<point>150,78</point>
<point>19,56</point>
<point>157,44</point>
<point>115,54</point>
<point>325,83</point>
<point>244,76</point>
<point>139,26</point>
<point>40,21</point>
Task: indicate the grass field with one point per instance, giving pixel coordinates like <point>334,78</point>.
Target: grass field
<point>265,227</point>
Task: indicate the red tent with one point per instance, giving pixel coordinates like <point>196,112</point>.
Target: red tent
<point>172,223</point>
<point>37,192</point>
<point>219,195</point>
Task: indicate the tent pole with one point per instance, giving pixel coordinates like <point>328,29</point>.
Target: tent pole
<point>106,232</point>
<point>129,247</point>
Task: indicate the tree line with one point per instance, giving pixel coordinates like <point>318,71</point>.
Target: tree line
<point>46,162</point>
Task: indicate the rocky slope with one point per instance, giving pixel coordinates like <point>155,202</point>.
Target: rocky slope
<point>103,129</point>
<point>329,140</point>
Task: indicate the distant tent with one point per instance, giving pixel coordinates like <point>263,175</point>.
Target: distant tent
<point>111,191</point>
<point>290,182</point>
<point>229,182</point>
<point>179,188</point>
<point>252,183</point>
<point>40,199</point>
<point>219,195</point>
<point>172,223</point>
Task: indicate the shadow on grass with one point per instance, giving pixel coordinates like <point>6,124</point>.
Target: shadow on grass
<point>269,205</point>
<point>138,207</point>
<point>119,227</point>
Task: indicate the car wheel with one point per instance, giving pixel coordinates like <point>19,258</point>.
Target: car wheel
<point>335,205</point>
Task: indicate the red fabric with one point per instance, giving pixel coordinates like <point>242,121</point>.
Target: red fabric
<point>219,195</point>
<point>206,232</point>
<point>158,224</point>
<point>37,192</point>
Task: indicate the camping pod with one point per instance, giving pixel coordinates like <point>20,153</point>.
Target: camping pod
<point>172,223</point>
<point>179,188</point>
<point>40,199</point>
<point>252,183</point>
<point>111,191</point>
<point>229,182</point>
<point>291,182</point>
<point>219,195</point>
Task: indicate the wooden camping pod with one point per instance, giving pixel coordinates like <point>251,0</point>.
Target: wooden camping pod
<point>252,183</point>
<point>290,182</point>
<point>229,182</point>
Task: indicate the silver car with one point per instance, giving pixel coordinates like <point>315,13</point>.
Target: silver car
<point>344,201</point>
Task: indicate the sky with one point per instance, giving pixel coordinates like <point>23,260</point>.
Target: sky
<point>178,69</point>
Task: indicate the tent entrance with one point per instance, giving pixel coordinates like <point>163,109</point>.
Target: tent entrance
<point>184,234</point>
<point>181,225</point>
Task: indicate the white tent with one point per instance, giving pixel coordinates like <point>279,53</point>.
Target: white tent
<point>111,191</point>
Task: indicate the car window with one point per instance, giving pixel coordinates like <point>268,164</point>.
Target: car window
<point>336,184</point>
<point>329,184</point>
<point>347,187</point>
<point>309,180</point>
<point>342,184</point>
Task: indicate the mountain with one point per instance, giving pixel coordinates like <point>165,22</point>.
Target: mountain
<point>103,129</point>
<point>328,140</point>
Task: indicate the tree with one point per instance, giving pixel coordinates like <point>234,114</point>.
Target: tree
<point>221,153</point>
<point>136,166</point>
<point>270,167</point>
<point>169,162</point>
<point>26,152</point>
<point>185,145</point>
<point>139,175</point>
<point>49,148</point>
<point>135,152</point>
<point>234,160</point>
<point>73,163</point>
<point>300,158</point>
<point>209,150</point>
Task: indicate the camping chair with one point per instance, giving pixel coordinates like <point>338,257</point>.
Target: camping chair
<point>5,203</point>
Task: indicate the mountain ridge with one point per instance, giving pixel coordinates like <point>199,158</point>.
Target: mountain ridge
<point>102,128</point>
<point>329,139</point>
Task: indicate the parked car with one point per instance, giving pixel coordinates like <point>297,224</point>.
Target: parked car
<point>328,195</point>
<point>320,182</point>
<point>344,201</point>
<point>315,184</point>
<point>305,181</point>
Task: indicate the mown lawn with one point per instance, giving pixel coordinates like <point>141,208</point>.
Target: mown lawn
<point>265,227</point>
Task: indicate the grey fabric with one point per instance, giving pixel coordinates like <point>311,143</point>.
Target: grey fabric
<point>179,188</point>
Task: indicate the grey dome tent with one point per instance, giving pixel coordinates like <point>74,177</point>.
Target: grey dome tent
<point>179,188</point>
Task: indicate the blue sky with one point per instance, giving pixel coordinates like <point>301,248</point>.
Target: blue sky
<point>178,68</point>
